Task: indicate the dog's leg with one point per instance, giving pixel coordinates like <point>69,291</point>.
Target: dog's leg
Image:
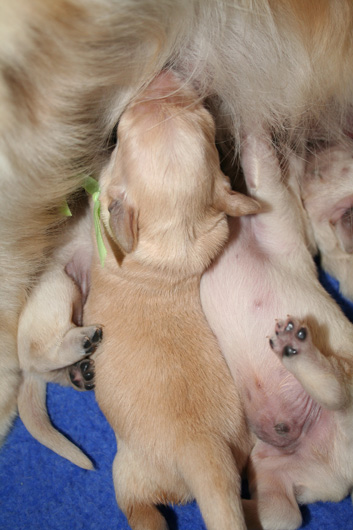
<point>324,378</point>
<point>48,342</point>
<point>278,225</point>
<point>134,493</point>
<point>251,514</point>
<point>274,502</point>
<point>80,375</point>
<point>211,475</point>
<point>32,410</point>
<point>47,338</point>
<point>71,348</point>
<point>76,344</point>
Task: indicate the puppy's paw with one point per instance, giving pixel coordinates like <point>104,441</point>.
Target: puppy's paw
<point>291,338</point>
<point>81,374</point>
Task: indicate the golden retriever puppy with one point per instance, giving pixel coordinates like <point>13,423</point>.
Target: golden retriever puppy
<point>51,336</point>
<point>327,192</point>
<point>161,380</point>
<point>294,372</point>
<point>68,68</point>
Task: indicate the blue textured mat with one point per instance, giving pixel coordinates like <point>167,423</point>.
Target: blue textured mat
<point>40,490</point>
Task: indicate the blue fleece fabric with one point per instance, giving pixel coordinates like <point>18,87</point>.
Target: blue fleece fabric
<point>40,490</point>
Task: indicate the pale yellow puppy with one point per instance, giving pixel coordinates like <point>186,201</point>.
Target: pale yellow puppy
<point>161,380</point>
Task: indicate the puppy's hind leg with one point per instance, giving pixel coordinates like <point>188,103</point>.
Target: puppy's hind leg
<point>134,492</point>
<point>273,497</point>
<point>78,342</point>
<point>47,338</point>
<point>32,410</point>
<point>211,474</point>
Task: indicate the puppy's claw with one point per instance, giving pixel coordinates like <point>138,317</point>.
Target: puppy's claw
<point>289,326</point>
<point>98,335</point>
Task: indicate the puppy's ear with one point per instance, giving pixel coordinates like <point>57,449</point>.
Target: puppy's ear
<point>233,203</point>
<point>123,222</point>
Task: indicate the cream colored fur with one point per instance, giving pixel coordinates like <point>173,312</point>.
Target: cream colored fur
<point>48,339</point>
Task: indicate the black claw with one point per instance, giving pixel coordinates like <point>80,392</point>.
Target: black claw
<point>272,344</point>
<point>98,335</point>
<point>289,351</point>
<point>290,326</point>
<point>302,334</point>
<point>91,349</point>
<point>87,344</point>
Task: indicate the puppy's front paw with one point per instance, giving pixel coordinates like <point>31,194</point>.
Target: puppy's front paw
<point>82,374</point>
<point>291,338</point>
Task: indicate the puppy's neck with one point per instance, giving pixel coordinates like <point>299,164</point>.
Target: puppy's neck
<point>149,277</point>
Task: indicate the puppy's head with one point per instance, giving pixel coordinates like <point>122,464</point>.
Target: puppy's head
<point>164,196</point>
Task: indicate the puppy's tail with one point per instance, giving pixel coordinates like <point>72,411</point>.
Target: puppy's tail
<point>33,413</point>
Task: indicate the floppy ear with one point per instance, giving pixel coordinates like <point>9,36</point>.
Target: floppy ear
<point>234,203</point>
<point>123,222</point>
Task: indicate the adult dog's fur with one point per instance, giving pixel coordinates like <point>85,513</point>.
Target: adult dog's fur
<point>69,67</point>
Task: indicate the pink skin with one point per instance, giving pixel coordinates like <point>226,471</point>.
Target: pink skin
<point>298,406</point>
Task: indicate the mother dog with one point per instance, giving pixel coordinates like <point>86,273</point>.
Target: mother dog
<point>68,68</point>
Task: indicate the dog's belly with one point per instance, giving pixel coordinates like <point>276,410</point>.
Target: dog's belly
<point>278,410</point>
<point>242,297</point>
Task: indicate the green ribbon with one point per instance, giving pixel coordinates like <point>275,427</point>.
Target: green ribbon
<point>92,187</point>
<point>65,210</point>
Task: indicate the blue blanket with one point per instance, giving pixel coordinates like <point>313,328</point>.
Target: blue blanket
<point>40,490</point>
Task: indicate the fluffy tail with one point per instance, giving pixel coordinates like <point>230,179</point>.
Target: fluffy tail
<point>33,413</point>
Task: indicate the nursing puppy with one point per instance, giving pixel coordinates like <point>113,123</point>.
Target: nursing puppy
<point>294,372</point>
<point>52,344</point>
<point>327,192</point>
<point>161,380</point>
<point>69,67</point>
